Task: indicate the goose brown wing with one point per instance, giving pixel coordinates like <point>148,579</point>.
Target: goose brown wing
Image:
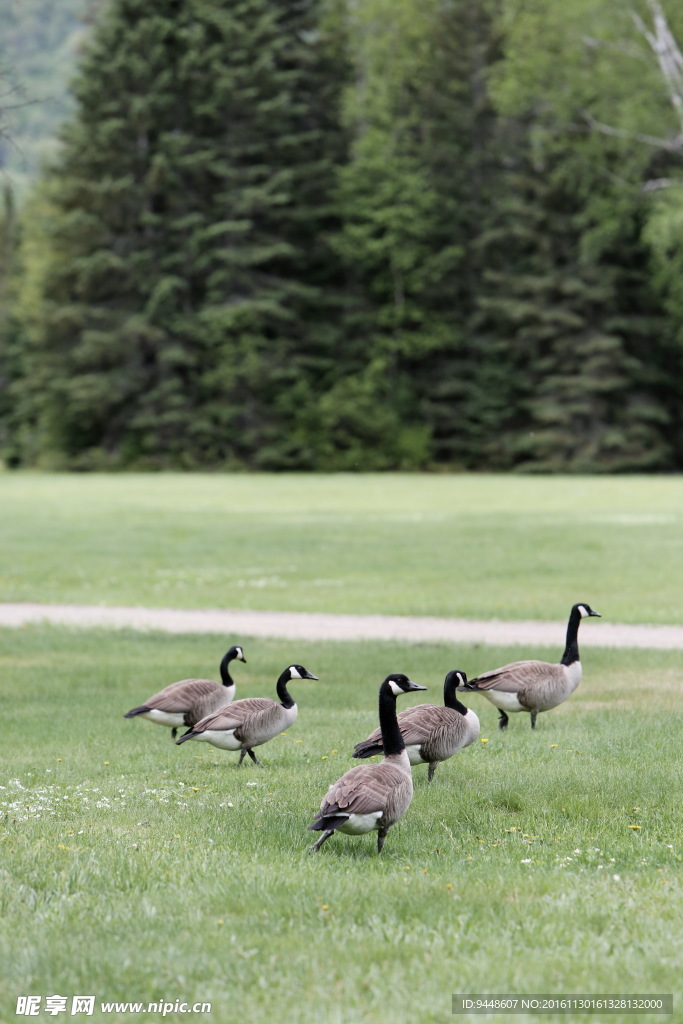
<point>235,714</point>
<point>414,723</point>
<point>417,724</point>
<point>179,696</point>
<point>362,790</point>
<point>513,677</point>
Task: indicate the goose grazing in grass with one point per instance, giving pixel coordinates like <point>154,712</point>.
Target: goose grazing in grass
<point>535,686</point>
<point>249,723</point>
<point>189,700</point>
<point>372,797</point>
<point>431,733</point>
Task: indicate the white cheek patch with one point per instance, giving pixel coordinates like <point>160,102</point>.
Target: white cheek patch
<point>395,688</point>
<point>461,681</point>
<point>582,611</point>
<point>294,672</point>
<point>240,653</point>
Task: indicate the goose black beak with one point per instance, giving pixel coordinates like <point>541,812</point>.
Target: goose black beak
<point>415,686</point>
<point>309,675</point>
<point>597,615</point>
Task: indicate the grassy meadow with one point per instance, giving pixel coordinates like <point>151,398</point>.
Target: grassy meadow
<point>474,546</point>
<point>135,870</point>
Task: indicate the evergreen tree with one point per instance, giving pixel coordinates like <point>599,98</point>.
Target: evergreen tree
<point>188,311</point>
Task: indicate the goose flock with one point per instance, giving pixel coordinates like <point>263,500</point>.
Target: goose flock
<point>369,797</point>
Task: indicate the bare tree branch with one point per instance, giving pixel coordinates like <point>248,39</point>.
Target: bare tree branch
<point>658,184</point>
<point>667,52</point>
<point>673,145</point>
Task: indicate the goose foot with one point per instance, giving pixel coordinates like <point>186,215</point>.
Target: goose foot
<point>533,719</point>
<point>254,758</point>
<point>326,835</point>
<point>381,836</point>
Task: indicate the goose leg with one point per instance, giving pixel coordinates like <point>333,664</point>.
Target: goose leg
<point>254,758</point>
<point>502,720</point>
<point>326,835</point>
<point>533,719</point>
<point>381,836</point>
<point>242,753</point>
<point>432,768</point>
<point>174,732</point>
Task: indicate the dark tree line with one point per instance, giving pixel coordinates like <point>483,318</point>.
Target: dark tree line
<point>284,234</point>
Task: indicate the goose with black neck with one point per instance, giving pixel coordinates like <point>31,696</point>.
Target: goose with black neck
<point>189,700</point>
<point>431,733</point>
<point>249,723</point>
<point>535,686</point>
<point>372,797</point>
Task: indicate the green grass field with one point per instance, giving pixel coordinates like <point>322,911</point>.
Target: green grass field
<point>135,870</point>
<point>477,546</point>
<point>138,870</point>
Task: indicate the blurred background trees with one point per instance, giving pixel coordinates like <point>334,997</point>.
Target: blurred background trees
<point>329,235</point>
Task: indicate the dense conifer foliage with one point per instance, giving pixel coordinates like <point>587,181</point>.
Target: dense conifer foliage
<point>323,235</point>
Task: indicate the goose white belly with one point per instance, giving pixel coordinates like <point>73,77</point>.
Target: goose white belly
<point>359,824</point>
<point>173,719</point>
<point>223,738</point>
<point>414,755</point>
<point>503,700</point>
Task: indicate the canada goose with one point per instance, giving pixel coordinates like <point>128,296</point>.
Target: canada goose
<point>431,733</point>
<point>189,700</point>
<point>535,686</point>
<point>372,796</point>
<point>251,722</point>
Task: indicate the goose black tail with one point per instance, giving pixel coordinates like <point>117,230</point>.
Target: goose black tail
<point>136,711</point>
<point>330,823</point>
<point>186,736</point>
<point>367,749</point>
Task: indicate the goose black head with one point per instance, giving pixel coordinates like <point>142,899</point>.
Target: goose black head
<point>585,610</point>
<point>456,679</point>
<point>399,683</point>
<point>236,654</point>
<point>298,672</point>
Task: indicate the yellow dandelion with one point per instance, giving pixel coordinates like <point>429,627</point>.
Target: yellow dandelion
<point>424,871</point>
<point>334,751</point>
<point>448,885</point>
<point>407,867</point>
<point>570,751</point>
<point>634,826</point>
<point>298,741</point>
<point>484,739</point>
<point>325,906</point>
<point>220,921</point>
<point>195,789</point>
<point>59,759</point>
<point>61,846</point>
<point>553,744</point>
<point>470,858</point>
<point>324,757</point>
<point>106,762</point>
<point>635,808</point>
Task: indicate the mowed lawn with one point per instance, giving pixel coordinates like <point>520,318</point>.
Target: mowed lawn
<point>133,869</point>
<point>478,546</point>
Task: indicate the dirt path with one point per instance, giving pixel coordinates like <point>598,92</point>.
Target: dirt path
<point>309,626</point>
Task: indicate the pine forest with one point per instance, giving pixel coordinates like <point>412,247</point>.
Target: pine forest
<point>330,235</point>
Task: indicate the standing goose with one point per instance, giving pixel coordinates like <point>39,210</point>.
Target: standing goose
<point>189,700</point>
<point>431,733</point>
<point>535,686</point>
<point>372,796</point>
<point>251,722</point>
